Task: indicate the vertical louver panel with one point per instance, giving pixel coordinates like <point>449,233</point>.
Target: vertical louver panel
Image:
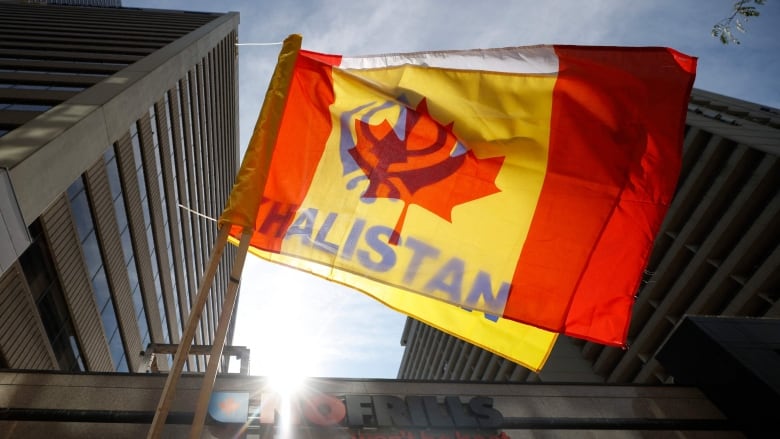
<point>23,341</point>
<point>178,147</point>
<point>68,259</point>
<point>135,219</point>
<point>192,140</point>
<point>179,294</point>
<point>113,259</point>
<point>155,203</point>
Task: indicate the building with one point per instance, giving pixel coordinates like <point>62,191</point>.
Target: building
<point>717,253</point>
<point>110,119</point>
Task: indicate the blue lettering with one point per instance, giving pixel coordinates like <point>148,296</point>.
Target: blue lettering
<point>380,256</point>
<point>303,225</point>
<point>352,239</point>
<point>491,317</point>
<point>482,287</point>
<point>373,239</point>
<point>449,279</point>
<point>320,240</point>
<point>421,251</point>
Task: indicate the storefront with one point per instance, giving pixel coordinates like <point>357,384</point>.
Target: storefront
<point>46,405</point>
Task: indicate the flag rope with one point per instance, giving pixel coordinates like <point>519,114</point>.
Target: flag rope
<point>197,213</point>
<point>260,44</point>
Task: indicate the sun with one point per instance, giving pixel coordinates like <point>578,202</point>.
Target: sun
<point>286,374</point>
<point>276,322</point>
<point>283,350</point>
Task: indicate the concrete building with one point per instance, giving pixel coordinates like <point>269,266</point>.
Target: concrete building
<point>110,118</point>
<point>717,253</point>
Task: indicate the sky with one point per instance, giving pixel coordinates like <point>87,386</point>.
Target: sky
<point>295,322</point>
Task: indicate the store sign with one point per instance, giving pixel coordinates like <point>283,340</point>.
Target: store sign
<point>359,411</point>
<point>381,416</point>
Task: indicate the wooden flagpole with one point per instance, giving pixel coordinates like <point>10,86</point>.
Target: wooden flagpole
<point>182,352</point>
<point>219,337</point>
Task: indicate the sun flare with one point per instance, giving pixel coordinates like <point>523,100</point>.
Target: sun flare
<point>286,328</point>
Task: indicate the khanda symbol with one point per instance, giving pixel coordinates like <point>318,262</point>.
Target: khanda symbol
<point>418,161</point>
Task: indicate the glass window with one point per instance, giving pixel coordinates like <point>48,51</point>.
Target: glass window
<point>150,242</point>
<point>142,189</point>
<point>127,246</point>
<point>102,292</point>
<point>121,213</point>
<point>92,254</point>
<point>138,301</point>
<point>75,188</point>
<point>113,175</point>
<point>169,120</point>
<point>39,275</point>
<point>23,107</point>
<point>108,316</point>
<point>123,367</point>
<point>81,215</point>
<point>132,273</point>
<point>136,145</point>
<point>74,347</point>
<point>30,86</point>
<point>117,352</point>
<point>65,88</point>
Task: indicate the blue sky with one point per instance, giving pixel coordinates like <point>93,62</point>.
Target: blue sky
<point>291,320</point>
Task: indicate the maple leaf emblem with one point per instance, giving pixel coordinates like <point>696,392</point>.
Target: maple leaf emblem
<point>428,166</point>
<point>228,405</point>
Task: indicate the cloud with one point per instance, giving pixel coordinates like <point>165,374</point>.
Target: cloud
<point>748,72</point>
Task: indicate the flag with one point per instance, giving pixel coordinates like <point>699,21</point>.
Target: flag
<point>500,195</point>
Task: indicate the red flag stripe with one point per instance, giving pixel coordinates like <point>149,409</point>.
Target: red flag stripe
<point>606,104</point>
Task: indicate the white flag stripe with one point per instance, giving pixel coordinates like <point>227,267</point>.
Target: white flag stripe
<point>540,60</point>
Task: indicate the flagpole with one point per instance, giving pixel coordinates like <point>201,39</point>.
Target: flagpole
<point>164,405</point>
<point>219,337</point>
